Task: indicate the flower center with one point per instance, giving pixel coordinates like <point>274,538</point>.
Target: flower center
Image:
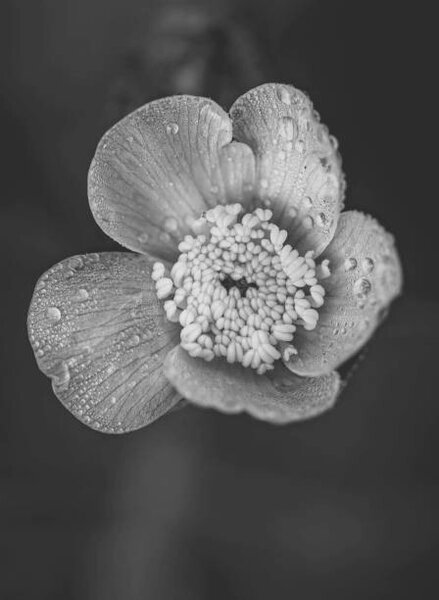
<point>239,291</point>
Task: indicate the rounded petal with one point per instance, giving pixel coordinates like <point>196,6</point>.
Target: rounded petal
<point>298,167</point>
<point>98,331</point>
<point>277,397</point>
<point>365,277</point>
<point>160,167</point>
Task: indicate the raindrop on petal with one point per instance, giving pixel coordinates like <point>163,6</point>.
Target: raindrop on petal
<point>143,237</point>
<point>53,314</point>
<point>172,128</point>
<point>170,224</point>
<point>287,128</point>
<point>308,222</point>
<point>362,287</point>
<point>81,295</point>
<point>307,203</point>
<point>284,95</point>
<point>350,264</point>
<point>367,265</point>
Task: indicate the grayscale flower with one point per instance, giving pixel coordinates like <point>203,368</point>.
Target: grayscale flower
<point>246,286</point>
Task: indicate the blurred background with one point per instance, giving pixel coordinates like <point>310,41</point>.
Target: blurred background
<point>200,505</point>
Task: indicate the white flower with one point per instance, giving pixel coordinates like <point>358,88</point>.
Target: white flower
<point>250,286</point>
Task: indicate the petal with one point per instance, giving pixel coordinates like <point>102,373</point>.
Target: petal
<point>98,330</point>
<point>365,277</point>
<point>159,168</point>
<point>299,172</point>
<point>280,397</point>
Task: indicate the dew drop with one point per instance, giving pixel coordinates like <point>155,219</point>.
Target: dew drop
<point>333,141</point>
<point>135,340</point>
<point>53,314</point>
<point>165,237</point>
<point>350,264</point>
<point>362,287</point>
<point>172,128</point>
<point>300,146</point>
<point>367,265</point>
<point>307,203</point>
<point>321,219</point>
<point>292,212</point>
<point>75,263</point>
<point>214,189</point>
<point>284,95</point>
<point>143,237</point>
<point>81,295</point>
<point>40,352</point>
<point>264,183</point>
<point>170,224</point>
<point>308,222</point>
<point>61,375</point>
<point>287,128</point>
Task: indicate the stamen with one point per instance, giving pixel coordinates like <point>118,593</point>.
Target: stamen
<point>238,291</point>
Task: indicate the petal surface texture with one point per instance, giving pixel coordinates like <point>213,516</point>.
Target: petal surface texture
<point>365,277</point>
<point>99,332</point>
<point>280,397</point>
<point>298,167</point>
<point>159,168</point>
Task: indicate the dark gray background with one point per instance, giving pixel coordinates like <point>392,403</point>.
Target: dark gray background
<point>199,505</point>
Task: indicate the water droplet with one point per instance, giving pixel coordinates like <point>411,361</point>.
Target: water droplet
<point>264,183</point>
<point>308,222</point>
<point>300,146</point>
<point>321,219</point>
<point>284,95</point>
<point>135,340</point>
<point>172,128</point>
<point>214,189</point>
<point>367,265</point>
<point>113,400</point>
<point>362,287</point>
<point>61,375</point>
<point>165,237</point>
<point>350,264</point>
<point>333,141</point>
<point>143,237</point>
<point>287,128</point>
<point>76,262</point>
<point>170,224</point>
<point>81,295</point>
<point>292,212</point>
<point>53,314</point>
<point>40,352</point>
<point>307,203</point>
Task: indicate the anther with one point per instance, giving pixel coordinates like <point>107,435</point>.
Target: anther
<point>239,291</point>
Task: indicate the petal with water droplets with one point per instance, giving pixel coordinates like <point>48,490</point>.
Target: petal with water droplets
<point>160,167</point>
<point>365,277</point>
<point>98,330</point>
<point>277,397</point>
<point>298,167</point>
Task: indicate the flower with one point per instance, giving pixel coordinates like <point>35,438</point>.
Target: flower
<point>246,286</point>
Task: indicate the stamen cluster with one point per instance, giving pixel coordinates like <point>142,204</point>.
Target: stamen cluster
<point>239,291</point>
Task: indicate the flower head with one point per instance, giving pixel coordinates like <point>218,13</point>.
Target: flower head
<point>248,286</point>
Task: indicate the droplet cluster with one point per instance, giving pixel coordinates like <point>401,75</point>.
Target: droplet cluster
<point>239,290</point>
